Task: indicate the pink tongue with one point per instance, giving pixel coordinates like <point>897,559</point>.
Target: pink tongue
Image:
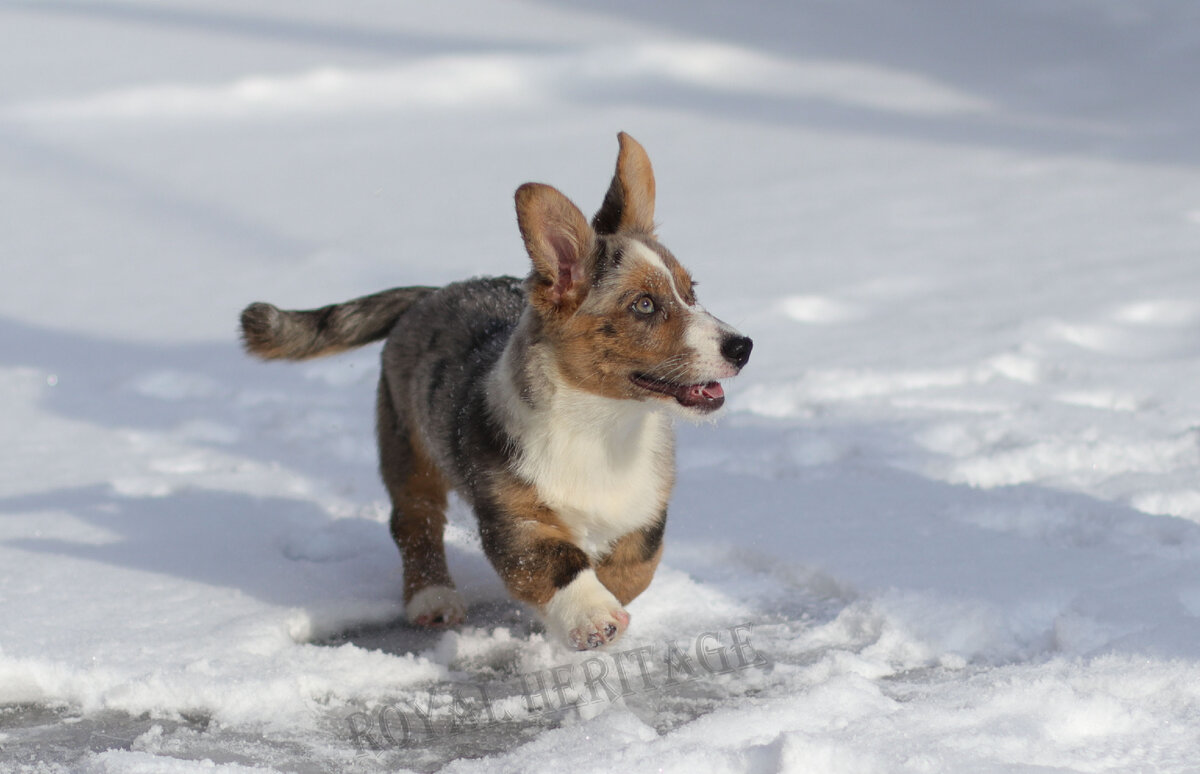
<point>710,391</point>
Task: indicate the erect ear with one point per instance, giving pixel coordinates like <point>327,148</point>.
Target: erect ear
<point>559,242</point>
<point>629,203</point>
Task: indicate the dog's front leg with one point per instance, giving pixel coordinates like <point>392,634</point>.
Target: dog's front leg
<point>585,613</point>
<point>540,565</point>
<point>630,565</point>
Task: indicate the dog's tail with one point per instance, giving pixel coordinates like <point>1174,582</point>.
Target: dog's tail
<point>278,334</point>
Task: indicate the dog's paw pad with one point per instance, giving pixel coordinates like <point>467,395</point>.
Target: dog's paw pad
<point>436,607</point>
<point>585,614</point>
<point>603,627</point>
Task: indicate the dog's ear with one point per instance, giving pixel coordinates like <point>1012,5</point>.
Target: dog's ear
<point>629,203</point>
<point>559,242</point>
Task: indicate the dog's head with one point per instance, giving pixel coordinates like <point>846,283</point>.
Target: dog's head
<point>616,307</point>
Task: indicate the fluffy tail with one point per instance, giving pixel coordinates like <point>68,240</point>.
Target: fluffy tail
<point>277,334</point>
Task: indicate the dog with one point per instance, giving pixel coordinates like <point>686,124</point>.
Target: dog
<point>547,403</point>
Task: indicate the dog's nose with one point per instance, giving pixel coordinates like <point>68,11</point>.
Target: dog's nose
<point>736,350</point>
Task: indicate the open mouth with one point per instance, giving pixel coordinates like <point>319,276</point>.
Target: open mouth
<point>702,397</point>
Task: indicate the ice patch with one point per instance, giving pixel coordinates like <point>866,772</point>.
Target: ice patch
<point>159,761</point>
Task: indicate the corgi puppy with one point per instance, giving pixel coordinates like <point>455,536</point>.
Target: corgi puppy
<point>547,403</point>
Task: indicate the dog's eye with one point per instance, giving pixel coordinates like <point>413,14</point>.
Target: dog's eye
<point>644,305</point>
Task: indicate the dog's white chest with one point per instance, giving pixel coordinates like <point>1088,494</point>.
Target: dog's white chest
<point>604,467</point>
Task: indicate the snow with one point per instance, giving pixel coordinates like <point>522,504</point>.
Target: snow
<point>953,502</point>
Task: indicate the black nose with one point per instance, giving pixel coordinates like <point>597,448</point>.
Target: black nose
<point>736,350</point>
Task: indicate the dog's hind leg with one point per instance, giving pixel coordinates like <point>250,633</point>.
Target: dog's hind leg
<point>418,491</point>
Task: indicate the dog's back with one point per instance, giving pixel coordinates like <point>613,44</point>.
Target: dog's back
<point>441,343</point>
<point>435,371</point>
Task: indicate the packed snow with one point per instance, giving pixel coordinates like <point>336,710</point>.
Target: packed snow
<point>948,521</point>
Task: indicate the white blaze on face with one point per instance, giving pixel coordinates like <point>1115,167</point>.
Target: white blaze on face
<point>703,332</point>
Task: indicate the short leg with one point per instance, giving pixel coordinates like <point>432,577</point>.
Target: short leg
<point>629,568</point>
<point>585,614</point>
<point>532,551</point>
<point>418,491</point>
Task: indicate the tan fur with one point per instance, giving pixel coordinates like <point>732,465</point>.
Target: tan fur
<point>418,491</point>
<point>555,232</point>
<point>537,528</point>
<point>626,572</point>
<point>599,345</point>
<point>632,191</point>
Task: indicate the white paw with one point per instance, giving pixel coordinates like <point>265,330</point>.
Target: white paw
<point>585,614</point>
<point>436,606</point>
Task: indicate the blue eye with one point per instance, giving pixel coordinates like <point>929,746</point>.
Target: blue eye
<point>644,305</point>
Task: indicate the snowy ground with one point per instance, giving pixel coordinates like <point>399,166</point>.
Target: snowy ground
<point>949,522</point>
